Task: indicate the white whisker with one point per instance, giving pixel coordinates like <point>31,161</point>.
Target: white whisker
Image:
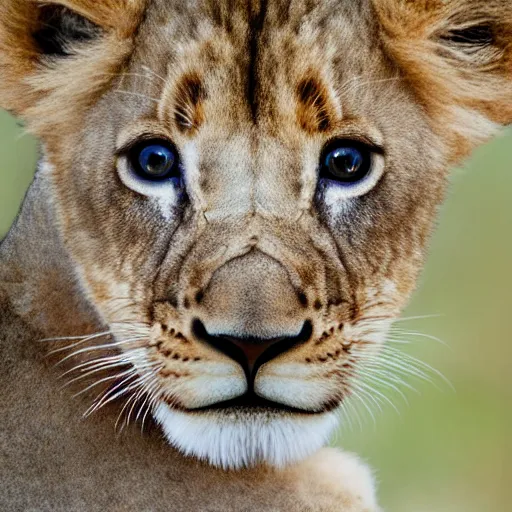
<point>154,73</point>
<point>131,371</point>
<point>421,364</point>
<point>103,368</point>
<point>384,362</point>
<point>362,401</point>
<point>115,392</point>
<point>372,391</point>
<point>374,377</point>
<point>349,404</point>
<point>138,95</point>
<point>93,362</point>
<point>420,335</point>
<point>420,317</point>
<point>86,337</point>
<point>108,346</point>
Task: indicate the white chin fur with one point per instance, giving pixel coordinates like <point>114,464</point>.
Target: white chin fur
<point>234,440</point>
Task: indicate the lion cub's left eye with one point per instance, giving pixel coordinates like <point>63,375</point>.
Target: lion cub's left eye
<point>346,162</point>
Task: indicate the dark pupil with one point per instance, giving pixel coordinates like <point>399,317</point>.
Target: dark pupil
<point>345,162</point>
<point>156,161</point>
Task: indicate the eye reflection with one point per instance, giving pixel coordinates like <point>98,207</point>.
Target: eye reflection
<point>346,162</point>
<point>155,161</point>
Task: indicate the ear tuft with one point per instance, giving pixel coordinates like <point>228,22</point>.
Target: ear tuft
<point>59,29</point>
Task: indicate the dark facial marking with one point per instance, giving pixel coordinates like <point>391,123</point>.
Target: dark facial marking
<point>190,95</point>
<point>313,111</point>
<point>258,13</point>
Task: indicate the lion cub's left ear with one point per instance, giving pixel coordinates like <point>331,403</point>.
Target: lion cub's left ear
<point>457,56</point>
<point>57,55</point>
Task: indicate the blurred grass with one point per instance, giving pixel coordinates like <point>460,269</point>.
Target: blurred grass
<point>18,155</point>
<point>450,451</point>
<point>447,451</point>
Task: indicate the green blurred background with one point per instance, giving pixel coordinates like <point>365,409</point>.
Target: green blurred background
<point>447,451</point>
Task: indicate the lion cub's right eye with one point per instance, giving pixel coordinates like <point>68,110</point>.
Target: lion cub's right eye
<point>151,167</point>
<point>155,160</point>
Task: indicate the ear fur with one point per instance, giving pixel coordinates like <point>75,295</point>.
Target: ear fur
<point>61,29</point>
<point>57,56</point>
<point>457,56</point>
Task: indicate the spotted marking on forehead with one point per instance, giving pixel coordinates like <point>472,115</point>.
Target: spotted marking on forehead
<point>314,110</point>
<point>189,109</point>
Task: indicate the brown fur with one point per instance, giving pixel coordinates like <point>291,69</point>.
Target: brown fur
<point>249,93</point>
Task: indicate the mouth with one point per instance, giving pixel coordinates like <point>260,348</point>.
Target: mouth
<point>250,402</point>
<point>252,354</point>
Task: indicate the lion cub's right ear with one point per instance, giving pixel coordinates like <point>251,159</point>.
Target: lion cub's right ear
<point>57,55</point>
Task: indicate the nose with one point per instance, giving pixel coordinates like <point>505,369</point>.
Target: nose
<point>252,353</point>
<point>252,311</point>
<point>252,297</point>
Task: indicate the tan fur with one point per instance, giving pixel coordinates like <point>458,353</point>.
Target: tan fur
<point>453,83</point>
<point>249,93</point>
<point>54,96</point>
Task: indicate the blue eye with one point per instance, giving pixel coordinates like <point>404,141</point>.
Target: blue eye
<point>346,162</point>
<point>155,161</point>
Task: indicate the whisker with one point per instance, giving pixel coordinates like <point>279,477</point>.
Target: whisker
<point>141,385</point>
<point>139,395</point>
<point>391,376</point>
<point>111,394</point>
<point>100,367</point>
<point>373,399</point>
<point>73,345</point>
<point>406,370</point>
<point>127,404</point>
<point>372,390</point>
<point>138,95</point>
<point>102,360</point>
<point>131,371</point>
<point>349,404</point>
<point>345,416</point>
<point>392,339</point>
<point>116,391</point>
<point>151,403</point>
<point>154,73</point>
<point>103,368</point>
<point>420,317</point>
<point>379,381</point>
<point>362,401</point>
<point>415,361</point>
<point>74,338</point>
<point>420,335</point>
<point>108,346</point>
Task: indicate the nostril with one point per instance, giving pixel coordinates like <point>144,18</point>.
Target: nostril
<point>303,299</point>
<point>251,353</point>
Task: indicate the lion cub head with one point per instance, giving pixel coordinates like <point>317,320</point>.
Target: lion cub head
<point>247,188</point>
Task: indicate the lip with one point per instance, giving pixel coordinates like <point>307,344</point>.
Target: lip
<point>252,402</point>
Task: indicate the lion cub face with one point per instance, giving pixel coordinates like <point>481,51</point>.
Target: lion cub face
<point>247,189</point>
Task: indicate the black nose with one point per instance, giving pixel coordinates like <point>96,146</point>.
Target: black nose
<point>251,352</point>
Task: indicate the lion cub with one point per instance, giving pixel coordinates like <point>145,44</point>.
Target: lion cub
<point>232,206</point>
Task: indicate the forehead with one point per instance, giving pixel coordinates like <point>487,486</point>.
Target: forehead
<point>247,61</point>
